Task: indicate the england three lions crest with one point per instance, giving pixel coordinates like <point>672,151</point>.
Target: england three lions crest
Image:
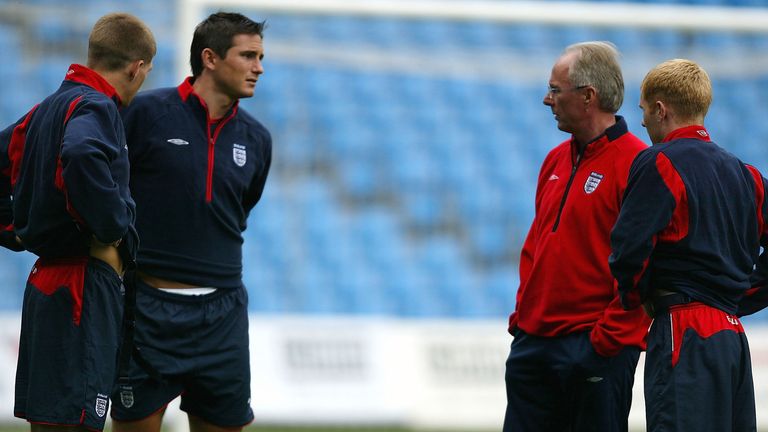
<point>126,396</point>
<point>593,181</point>
<point>102,404</point>
<point>238,154</point>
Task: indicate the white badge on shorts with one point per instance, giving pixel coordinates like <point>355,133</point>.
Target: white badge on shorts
<point>126,395</point>
<point>101,405</point>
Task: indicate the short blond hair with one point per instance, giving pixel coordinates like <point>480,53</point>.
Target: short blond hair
<point>118,39</point>
<point>681,84</point>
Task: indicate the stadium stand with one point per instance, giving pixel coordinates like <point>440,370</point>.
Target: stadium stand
<point>403,175</point>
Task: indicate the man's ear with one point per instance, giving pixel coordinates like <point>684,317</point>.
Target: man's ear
<point>661,110</point>
<point>133,69</point>
<point>589,95</point>
<point>209,58</point>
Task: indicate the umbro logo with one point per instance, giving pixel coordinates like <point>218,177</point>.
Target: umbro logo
<point>553,177</point>
<point>178,141</point>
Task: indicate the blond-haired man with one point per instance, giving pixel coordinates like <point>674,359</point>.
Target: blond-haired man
<point>684,246</point>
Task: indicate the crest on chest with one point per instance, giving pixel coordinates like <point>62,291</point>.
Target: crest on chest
<point>238,154</point>
<point>593,181</point>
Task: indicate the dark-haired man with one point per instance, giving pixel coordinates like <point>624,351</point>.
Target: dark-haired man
<point>198,166</point>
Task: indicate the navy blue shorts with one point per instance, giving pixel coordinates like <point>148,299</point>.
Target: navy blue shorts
<point>557,384</point>
<point>199,344</point>
<point>70,335</point>
<point>698,373</point>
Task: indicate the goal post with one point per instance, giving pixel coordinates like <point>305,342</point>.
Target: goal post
<point>472,87</point>
<point>626,15</point>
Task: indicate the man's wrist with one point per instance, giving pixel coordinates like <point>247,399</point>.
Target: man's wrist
<point>98,242</point>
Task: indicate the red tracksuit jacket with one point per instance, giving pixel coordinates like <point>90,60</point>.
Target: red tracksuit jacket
<point>566,285</point>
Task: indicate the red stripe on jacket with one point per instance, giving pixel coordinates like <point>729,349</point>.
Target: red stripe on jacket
<point>59,179</point>
<point>16,146</point>
<point>678,226</point>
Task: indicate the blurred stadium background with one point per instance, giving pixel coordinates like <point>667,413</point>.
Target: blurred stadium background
<point>381,263</point>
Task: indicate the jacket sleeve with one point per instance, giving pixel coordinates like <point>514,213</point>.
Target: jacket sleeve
<point>756,298</point>
<point>139,121</point>
<point>92,141</point>
<point>526,262</point>
<point>529,247</point>
<point>7,236</point>
<point>619,328</point>
<point>10,156</point>
<point>256,188</point>
<point>654,190</point>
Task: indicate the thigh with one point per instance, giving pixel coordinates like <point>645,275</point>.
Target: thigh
<point>70,337</point>
<point>163,334</point>
<point>534,390</point>
<point>220,391</point>
<point>197,424</point>
<point>141,401</point>
<point>698,375</point>
<point>151,423</point>
<point>600,390</point>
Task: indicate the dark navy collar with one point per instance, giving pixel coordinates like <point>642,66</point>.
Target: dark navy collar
<point>612,133</point>
<point>617,130</point>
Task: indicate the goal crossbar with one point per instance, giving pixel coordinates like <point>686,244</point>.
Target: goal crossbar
<point>624,15</point>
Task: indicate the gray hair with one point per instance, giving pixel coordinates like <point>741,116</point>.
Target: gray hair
<point>597,65</point>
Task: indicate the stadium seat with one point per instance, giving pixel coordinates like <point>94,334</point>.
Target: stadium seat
<point>393,190</point>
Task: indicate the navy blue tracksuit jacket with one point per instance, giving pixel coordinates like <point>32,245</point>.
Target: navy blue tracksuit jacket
<point>64,172</point>
<point>692,223</point>
<point>195,181</point>
<point>685,230</point>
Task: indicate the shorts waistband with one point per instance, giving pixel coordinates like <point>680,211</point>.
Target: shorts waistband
<point>664,302</point>
<point>77,261</point>
<point>147,289</point>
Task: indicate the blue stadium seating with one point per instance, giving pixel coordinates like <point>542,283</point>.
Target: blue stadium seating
<point>397,192</point>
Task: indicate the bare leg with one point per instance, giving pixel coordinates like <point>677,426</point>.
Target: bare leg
<point>53,428</point>
<point>149,424</point>
<point>196,424</point>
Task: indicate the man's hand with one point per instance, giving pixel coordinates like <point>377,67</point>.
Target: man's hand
<point>10,240</point>
<point>649,309</point>
<point>97,242</point>
<point>108,253</point>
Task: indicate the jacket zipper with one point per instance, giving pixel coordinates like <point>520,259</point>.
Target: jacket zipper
<point>211,153</point>
<point>575,166</point>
